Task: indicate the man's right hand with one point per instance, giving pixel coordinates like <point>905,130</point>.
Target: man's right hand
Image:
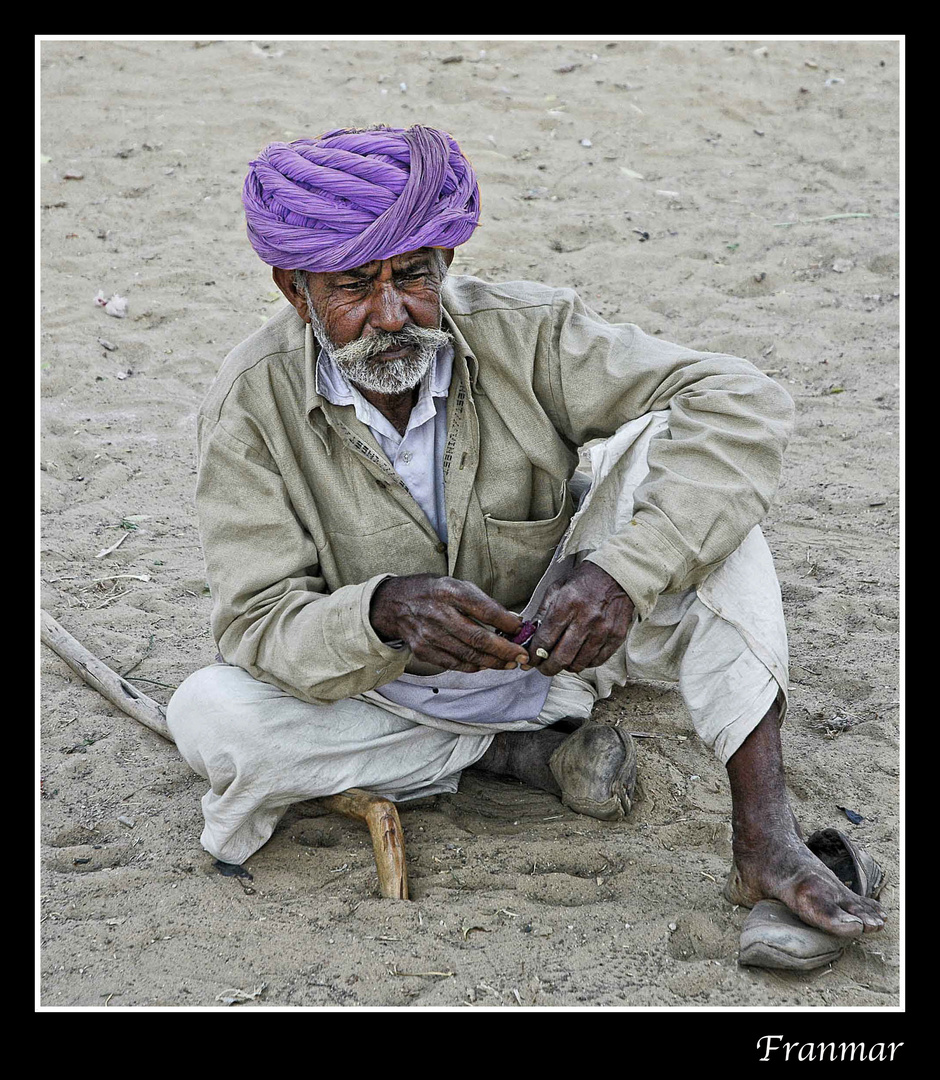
<point>434,616</point>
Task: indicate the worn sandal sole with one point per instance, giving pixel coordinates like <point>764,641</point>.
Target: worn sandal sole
<point>773,937</point>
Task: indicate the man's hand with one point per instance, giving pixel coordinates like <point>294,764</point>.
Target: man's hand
<point>434,616</point>
<point>584,620</point>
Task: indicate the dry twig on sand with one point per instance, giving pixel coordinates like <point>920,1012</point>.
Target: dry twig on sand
<point>379,814</point>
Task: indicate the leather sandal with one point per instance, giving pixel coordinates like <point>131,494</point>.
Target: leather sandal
<point>595,767</point>
<point>774,937</point>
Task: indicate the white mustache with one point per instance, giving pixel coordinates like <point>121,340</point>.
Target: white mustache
<point>363,349</point>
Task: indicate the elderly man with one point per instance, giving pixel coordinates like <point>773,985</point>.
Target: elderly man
<point>388,478</point>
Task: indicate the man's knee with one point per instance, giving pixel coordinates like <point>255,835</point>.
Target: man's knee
<point>208,688</point>
<point>216,704</point>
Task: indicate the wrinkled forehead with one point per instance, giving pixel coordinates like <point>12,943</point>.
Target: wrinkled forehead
<point>419,257</point>
<point>406,258</point>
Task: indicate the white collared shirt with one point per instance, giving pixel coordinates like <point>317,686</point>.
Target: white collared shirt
<point>418,458</point>
<point>418,455</point>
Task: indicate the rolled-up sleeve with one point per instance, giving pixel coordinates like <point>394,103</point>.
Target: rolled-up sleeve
<point>712,475</point>
<point>271,612</point>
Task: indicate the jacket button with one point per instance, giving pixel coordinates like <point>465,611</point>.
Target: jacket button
<point>441,547</point>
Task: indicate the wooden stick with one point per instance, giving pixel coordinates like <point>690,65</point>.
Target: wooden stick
<point>385,827</point>
<point>379,814</point>
<point>388,842</point>
<point>96,673</point>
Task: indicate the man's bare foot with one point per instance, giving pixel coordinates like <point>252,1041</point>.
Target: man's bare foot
<point>780,866</point>
<point>596,769</point>
<point>592,769</point>
<point>771,861</point>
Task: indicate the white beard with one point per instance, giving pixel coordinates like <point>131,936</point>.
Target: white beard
<point>356,362</point>
<point>387,376</point>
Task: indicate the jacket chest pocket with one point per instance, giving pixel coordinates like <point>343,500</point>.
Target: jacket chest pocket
<point>400,549</point>
<point>519,552</point>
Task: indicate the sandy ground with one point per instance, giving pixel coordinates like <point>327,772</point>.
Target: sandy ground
<point>728,199</point>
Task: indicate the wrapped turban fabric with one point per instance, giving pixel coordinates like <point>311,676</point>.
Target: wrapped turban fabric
<point>350,197</point>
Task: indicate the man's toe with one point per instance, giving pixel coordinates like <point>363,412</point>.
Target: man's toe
<point>834,918</point>
<point>871,916</point>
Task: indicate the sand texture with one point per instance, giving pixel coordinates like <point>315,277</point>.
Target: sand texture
<point>729,199</point>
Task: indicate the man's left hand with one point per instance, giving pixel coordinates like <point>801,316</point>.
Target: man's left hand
<point>584,620</point>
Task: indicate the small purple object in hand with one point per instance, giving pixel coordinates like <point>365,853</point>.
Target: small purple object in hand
<point>525,633</point>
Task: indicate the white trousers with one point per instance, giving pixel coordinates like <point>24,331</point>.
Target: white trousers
<point>723,644</point>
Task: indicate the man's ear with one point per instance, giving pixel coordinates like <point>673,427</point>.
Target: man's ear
<point>284,280</point>
<point>448,254</point>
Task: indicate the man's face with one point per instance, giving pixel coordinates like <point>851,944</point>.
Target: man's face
<point>381,321</point>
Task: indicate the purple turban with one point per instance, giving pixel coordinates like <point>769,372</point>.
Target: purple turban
<point>350,197</point>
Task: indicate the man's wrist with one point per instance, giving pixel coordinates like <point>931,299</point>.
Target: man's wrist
<point>615,588</point>
<point>384,610</point>
<point>376,614</point>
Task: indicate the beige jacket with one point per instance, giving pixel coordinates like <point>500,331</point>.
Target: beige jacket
<point>301,515</point>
